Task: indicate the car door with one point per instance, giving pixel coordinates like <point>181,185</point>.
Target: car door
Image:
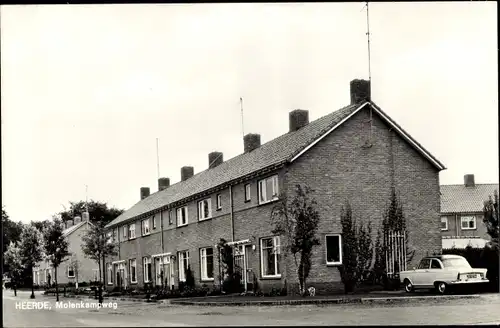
<point>420,272</point>
<point>433,274</point>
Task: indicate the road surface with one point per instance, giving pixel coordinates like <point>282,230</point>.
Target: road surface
<point>485,310</point>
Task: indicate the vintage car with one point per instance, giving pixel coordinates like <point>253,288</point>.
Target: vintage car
<point>441,272</point>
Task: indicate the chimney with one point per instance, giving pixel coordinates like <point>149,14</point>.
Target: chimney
<point>163,183</point>
<point>144,192</point>
<point>186,172</point>
<point>85,216</point>
<point>360,91</point>
<point>69,223</point>
<point>298,118</point>
<point>215,158</point>
<point>469,180</point>
<point>77,219</point>
<point>251,141</point>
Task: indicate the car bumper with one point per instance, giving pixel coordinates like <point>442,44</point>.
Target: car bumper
<point>466,282</point>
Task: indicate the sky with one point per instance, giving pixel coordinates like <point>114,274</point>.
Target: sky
<point>88,89</point>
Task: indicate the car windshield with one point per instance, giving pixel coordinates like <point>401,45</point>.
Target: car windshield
<point>457,262</point>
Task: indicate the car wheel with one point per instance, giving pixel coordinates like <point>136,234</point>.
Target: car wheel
<point>408,286</point>
<point>441,288</point>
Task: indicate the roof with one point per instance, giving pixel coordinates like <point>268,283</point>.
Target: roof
<point>462,199</point>
<point>73,228</point>
<point>462,243</point>
<point>283,149</point>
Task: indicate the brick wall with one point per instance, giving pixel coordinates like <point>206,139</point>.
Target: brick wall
<point>340,168</point>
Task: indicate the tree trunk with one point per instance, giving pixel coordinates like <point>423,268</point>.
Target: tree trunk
<point>100,284</point>
<point>57,290</point>
<point>32,283</point>
<point>15,289</point>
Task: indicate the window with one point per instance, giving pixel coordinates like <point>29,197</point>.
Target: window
<point>147,269</point>
<point>268,189</point>
<point>204,209</point>
<point>115,235</point>
<point>131,231</point>
<point>444,223</point>
<point>219,201</point>
<point>71,272</point>
<point>333,249</point>
<point>468,222</point>
<point>183,265</point>
<point>109,271</point>
<point>133,270</point>
<point>170,221</point>
<point>96,274</point>
<point>182,216</point>
<point>435,264</point>
<point>424,264</point>
<point>207,263</point>
<point>125,230</point>
<point>145,227</point>
<point>270,256</point>
<point>247,192</point>
<point>154,222</point>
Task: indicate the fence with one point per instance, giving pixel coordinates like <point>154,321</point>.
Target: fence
<point>395,255</point>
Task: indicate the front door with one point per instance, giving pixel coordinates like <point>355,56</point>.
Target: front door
<point>240,264</point>
<point>168,273</point>
<point>123,274</point>
<point>159,270</point>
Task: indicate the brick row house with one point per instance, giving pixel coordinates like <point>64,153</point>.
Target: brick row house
<point>462,213</point>
<point>356,153</point>
<point>76,267</point>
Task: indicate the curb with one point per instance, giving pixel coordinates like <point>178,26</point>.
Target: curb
<point>365,300</point>
<point>109,298</point>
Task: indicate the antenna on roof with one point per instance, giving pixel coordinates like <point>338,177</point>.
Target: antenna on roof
<point>157,159</point>
<point>242,121</point>
<point>368,36</point>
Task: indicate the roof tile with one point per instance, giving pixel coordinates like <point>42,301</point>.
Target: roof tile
<point>461,199</point>
<point>274,152</point>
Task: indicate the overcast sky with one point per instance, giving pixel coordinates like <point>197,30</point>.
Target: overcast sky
<point>87,89</point>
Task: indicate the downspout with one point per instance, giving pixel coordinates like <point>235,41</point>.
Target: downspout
<point>456,225</point>
<point>161,230</point>
<point>231,211</point>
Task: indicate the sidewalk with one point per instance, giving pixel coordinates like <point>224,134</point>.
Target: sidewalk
<point>367,298</point>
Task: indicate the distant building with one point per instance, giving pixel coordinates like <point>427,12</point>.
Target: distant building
<point>462,213</point>
<point>86,269</point>
<point>357,153</point>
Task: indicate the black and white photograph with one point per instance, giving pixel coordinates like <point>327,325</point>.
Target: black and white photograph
<point>250,164</point>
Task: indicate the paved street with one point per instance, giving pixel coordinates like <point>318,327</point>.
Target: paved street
<point>484,310</point>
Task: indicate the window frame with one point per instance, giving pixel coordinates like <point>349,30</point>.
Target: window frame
<point>130,261</point>
<point>153,222</point>
<point>181,257</point>
<point>201,209</point>
<point>178,211</point>
<point>170,220</point>
<point>70,268</point>
<point>263,182</point>
<point>276,246</point>
<point>125,231</point>
<point>248,193</point>
<point>204,265</point>
<point>340,248</point>
<point>218,201</point>
<point>145,261</point>
<point>444,219</point>
<point>466,218</point>
<point>130,234</point>
<point>144,225</point>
